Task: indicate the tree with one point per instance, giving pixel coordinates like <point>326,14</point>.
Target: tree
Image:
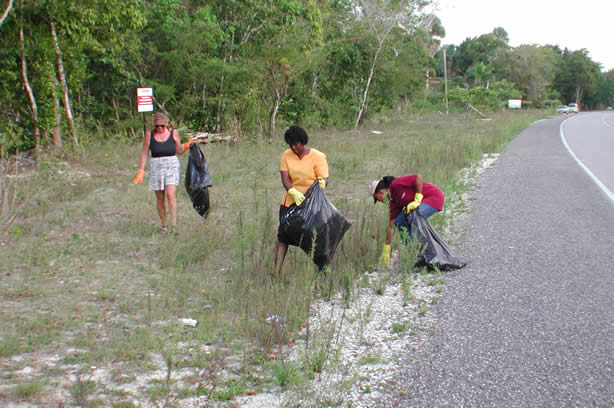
<point>7,9</point>
<point>381,17</point>
<point>500,34</point>
<point>187,62</point>
<point>286,49</point>
<point>485,49</point>
<point>59,39</point>
<point>432,32</point>
<point>28,88</point>
<point>576,74</point>
<point>482,73</point>
<point>532,70</point>
<point>603,96</point>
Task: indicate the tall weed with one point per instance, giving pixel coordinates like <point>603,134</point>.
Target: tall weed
<point>88,243</point>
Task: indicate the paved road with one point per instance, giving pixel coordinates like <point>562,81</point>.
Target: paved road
<point>591,140</point>
<point>530,322</point>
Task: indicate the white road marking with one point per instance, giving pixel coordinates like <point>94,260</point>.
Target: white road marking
<point>586,169</point>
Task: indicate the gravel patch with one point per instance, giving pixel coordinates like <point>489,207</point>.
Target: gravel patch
<point>371,337</point>
<point>363,345</point>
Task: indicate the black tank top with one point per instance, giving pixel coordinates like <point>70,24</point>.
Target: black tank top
<point>162,149</point>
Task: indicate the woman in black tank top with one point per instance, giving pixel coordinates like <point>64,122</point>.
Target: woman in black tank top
<point>162,149</point>
<point>163,167</point>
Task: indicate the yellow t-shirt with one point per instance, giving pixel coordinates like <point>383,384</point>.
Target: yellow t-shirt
<point>303,172</point>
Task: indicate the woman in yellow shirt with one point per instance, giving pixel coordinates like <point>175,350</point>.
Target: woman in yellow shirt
<point>300,166</point>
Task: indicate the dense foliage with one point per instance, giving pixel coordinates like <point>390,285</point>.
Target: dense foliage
<point>249,67</point>
<point>544,75</point>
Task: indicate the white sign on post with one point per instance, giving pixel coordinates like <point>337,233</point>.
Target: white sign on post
<point>144,99</point>
<point>514,103</point>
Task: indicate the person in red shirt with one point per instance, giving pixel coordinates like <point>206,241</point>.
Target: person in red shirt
<point>404,195</point>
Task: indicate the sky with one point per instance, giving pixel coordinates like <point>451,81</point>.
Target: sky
<point>567,23</point>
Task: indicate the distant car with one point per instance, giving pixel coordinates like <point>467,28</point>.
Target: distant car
<point>573,108</point>
<point>562,109</point>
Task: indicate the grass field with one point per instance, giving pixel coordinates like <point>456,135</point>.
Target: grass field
<point>88,280</point>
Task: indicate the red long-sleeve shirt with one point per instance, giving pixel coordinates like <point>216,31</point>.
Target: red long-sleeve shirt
<point>402,192</point>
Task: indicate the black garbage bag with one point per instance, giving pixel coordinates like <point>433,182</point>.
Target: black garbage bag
<point>198,180</point>
<point>316,216</point>
<point>436,252</point>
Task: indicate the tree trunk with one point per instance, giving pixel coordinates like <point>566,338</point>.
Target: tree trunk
<point>280,93</point>
<point>62,77</point>
<point>115,108</point>
<point>314,85</point>
<point>579,93</point>
<point>273,113</point>
<point>57,129</point>
<point>363,103</point>
<point>6,12</point>
<point>220,105</point>
<point>29,91</point>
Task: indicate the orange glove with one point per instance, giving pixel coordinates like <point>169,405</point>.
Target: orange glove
<point>186,145</point>
<point>139,177</point>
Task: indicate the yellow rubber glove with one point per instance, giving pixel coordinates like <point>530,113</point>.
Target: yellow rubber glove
<point>139,177</point>
<point>384,259</point>
<point>186,145</point>
<point>322,183</point>
<point>414,204</point>
<point>296,195</point>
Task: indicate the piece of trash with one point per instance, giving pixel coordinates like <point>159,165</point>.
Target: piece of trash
<point>377,132</point>
<point>273,319</point>
<point>189,322</point>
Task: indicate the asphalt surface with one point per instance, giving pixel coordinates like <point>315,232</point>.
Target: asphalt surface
<point>530,321</point>
<point>591,139</point>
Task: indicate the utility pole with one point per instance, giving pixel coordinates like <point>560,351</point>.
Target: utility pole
<point>445,77</point>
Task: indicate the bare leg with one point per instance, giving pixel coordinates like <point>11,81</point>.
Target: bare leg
<point>281,250</point>
<point>171,195</point>
<point>161,207</point>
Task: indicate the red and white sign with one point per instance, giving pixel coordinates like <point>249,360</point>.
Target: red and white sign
<point>144,99</point>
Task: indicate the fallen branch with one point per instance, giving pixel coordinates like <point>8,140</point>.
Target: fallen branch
<point>475,109</point>
<point>205,137</point>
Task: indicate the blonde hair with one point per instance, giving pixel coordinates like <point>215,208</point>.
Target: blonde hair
<point>160,116</point>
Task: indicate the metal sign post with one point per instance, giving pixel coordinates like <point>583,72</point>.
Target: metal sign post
<point>144,102</point>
